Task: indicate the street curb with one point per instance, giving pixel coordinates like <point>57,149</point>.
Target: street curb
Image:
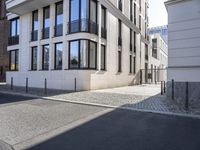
<point>105,106</point>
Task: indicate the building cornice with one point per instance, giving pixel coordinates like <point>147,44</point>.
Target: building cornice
<point>173,2</point>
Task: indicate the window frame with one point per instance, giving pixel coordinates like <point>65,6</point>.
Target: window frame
<point>104,67</point>
<point>56,15</point>
<point>16,27</point>
<point>43,57</point>
<point>79,55</point>
<point>16,62</point>
<point>32,49</point>
<point>43,21</point>
<point>55,58</point>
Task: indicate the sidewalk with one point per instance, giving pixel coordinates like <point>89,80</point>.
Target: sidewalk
<point>140,97</point>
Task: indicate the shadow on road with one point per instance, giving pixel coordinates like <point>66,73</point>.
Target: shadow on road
<point>129,130</point>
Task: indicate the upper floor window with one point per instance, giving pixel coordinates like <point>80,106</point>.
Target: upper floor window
<point>46,22</point>
<point>35,26</point>
<point>14,60</point>
<point>119,32</point>
<point>134,13</point>
<point>59,19</point>
<point>120,4</point>
<point>131,10</point>
<point>83,16</point>
<point>14,32</point>
<point>103,22</point>
<point>131,39</point>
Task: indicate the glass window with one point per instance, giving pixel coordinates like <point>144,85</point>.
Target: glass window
<point>131,66</point>
<point>93,11</point>
<point>47,17</point>
<point>103,22</point>
<point>92,55</point>
<point>134,63</point>
<point>34,58</point>
<point>59,19</point>
<point>84,15</point>
<point>74,54</point>
<point>35,21</point>
<point>131,39</point>
<point>45,57</point>
<point>58,55</point>
<point>103,57</point>
<point>119,61</point>
<point>84,54</point>
<point>74,13</point>
<point>14,60</point>
<point>14,27</point>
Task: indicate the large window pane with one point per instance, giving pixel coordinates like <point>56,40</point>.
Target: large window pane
<point>84,54</point>
<point>14,60</point>
<point>35,21</point>
<point>45,57</point>
<point>59,19</point>
<point>47,17</point>
<point>93,11</point>
<point>84,15</point>
<point>74,60</point>
<point>74,10</point>
<point>92,55</point>
<point>34,59</point>
<point>58,55</point>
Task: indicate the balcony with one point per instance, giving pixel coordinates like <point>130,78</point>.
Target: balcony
<point>58,30</point>
<point>83,25</point>
<point>34,35</point>
<point>45,33</point>
<point>21,7</point>
<point>14,40</point>
<point>103,33</point>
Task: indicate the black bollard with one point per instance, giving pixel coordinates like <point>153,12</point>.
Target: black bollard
<point>172,89</point>
<point>187,96</point>
<point>11,85</point>
<point>75,84</point>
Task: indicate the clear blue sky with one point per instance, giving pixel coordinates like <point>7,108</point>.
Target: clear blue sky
<point>157,13</point>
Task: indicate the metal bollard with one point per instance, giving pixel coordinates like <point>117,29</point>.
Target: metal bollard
<point>187,96</point>
<point>11,85</point>
<point>75,84</point>
<point>161,87</point>
<point>26,85</point>
<point>45,86</point>
<point>172,89</point>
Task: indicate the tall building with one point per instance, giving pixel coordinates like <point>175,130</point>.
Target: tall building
<point>82,44</point>
<point>184,48</point>
<point>3,41</point>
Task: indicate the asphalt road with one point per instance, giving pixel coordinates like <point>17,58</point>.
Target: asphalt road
<point>36,124</point>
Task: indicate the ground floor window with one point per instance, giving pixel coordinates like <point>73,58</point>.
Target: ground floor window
<point>34,58</point>
<point>45,57</point>
<point>82,54</point>
<point>103,57</point>
<point>58,56</point>
<point>134,65</point>
<point>131,64</point>
<point>14,60</point>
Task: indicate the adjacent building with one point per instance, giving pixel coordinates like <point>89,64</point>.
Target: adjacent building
<point>4,62</point>
<point>184,48</point>
<point>82,44</point>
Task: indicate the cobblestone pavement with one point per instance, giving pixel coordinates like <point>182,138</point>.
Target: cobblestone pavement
<point>143,97</point>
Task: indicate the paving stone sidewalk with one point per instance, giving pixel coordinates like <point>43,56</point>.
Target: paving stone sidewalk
<point>142,97</point>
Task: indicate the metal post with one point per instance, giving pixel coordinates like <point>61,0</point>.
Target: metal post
<point>164,87</point>
<point>26,85</point>
<point>187,96</point>
<point>11,87</point>
<point>172,89</point>
<point>75,84</point>
<point>161,87</point>
<point>45,86</point>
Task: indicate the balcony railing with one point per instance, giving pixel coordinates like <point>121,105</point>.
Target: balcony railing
<point>103,33</point>
<point>34,35</point>
<point>14,40</point>
<point>83,25</point>
<point>58,30</point>
<point>45,33</point>
<point>119,41</point>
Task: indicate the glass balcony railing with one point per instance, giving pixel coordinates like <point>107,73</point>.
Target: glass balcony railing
<point>58,30</point>
<point>14,40</point>
<point>83,25</point>
<point>34,35</point>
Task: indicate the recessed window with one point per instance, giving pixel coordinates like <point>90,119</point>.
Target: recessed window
<point>14,60</point>
<point>103,22</point>
<point>34,58</point>
<point>119,61</point>
<point>14,32</point>
<point>83,54</point>
<point>59,19</point>
<point>58,56</point>
<point>45,57</point>
<point>35,26</point>
<point>83,16</point>
<point>119,32</point>
<point>131,40</point>
<point>46,22</point>
<point>131,10</point>
<point>103,57</point>
<point>131,64</point>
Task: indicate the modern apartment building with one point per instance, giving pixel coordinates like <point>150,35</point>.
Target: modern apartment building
<point>184,48</point>
<point>4,24</point>
<point>82,44</point>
